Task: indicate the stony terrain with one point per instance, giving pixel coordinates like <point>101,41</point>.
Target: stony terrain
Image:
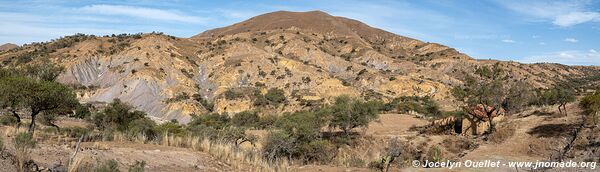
<point>312,56</point>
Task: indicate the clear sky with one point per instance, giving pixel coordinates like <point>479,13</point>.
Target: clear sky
<point>566,32</point>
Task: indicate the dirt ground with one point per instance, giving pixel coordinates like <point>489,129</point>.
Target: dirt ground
<point>539,132</point>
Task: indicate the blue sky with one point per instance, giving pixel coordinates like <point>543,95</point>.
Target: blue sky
<point>565,32</point>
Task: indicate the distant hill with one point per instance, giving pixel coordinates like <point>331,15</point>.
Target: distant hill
<point>8,46</point>
<point>312,56</point>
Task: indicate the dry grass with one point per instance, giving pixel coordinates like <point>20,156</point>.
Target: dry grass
<point>502,133</point>
<point>458,144</point>
<point>226,152</point>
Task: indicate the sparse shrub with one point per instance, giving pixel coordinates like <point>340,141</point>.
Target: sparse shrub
<point>378,164</point>
<point>23,143</point>
<point>435,154</point>
<point>392,152</point>
<point>204,102</point>
<point>138,166</point>
<point>75,131</point>
<point>458,144</point>
<point>356,162</point>
<point>107,166</point>
<point>275,96</point>
<point>234,93</point>
<point>8,120</point>
<point>1,145</point>
<point>502,133</point>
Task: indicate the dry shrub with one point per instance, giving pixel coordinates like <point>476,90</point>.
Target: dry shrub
<point>23,143</point>
<point>435,154</point>
<point>502,133</point>
<point>232,154</point>
<point>544,147</point>
<point>458,144</point>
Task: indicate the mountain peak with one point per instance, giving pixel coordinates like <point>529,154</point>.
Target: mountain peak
<point>314,21</point>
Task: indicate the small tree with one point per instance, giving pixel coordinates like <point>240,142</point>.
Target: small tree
<point>518,97</point>
<point>564,95</point>
<point>591,106</point>
<point>44,71</point>
<point>559,95</point>
<point>12,95</point>
<point>299,136</point>
<point>488,88</point>
<point>117,115</point>
<point>347,114</point>
<point>37,96</point>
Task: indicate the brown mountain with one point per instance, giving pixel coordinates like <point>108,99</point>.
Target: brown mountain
<point>312,56</point>
<point>8,46</point>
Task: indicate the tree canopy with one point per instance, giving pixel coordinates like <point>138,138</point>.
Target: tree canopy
<point>32,89</point>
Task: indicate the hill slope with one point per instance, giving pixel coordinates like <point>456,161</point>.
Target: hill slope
<point>312,56</point>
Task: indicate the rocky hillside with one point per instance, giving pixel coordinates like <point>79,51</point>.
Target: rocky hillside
<point>311,56</point>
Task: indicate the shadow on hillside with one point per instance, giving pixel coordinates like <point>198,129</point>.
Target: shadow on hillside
<point>543,113</point>
<point>552,130</point>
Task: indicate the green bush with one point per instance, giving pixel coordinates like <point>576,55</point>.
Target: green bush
<point>116,116</point>
<point>279,144</point>
<point>266,121</point>
<point>275,96</point>
<point>317,151</point>
<point>82,111</point>
<point>423,105</point>
<point>591,106</point>
<point>8,120</point>
<point>142,127</point>
<point>23,143</point>
<point>246,119</point>
<point>234,93</point>
<point>213,120</point>
<point>172,127</point>
<point>75,131</point>
<point>302,125</point>
<point>347,113</point>
<point>299,136</point>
